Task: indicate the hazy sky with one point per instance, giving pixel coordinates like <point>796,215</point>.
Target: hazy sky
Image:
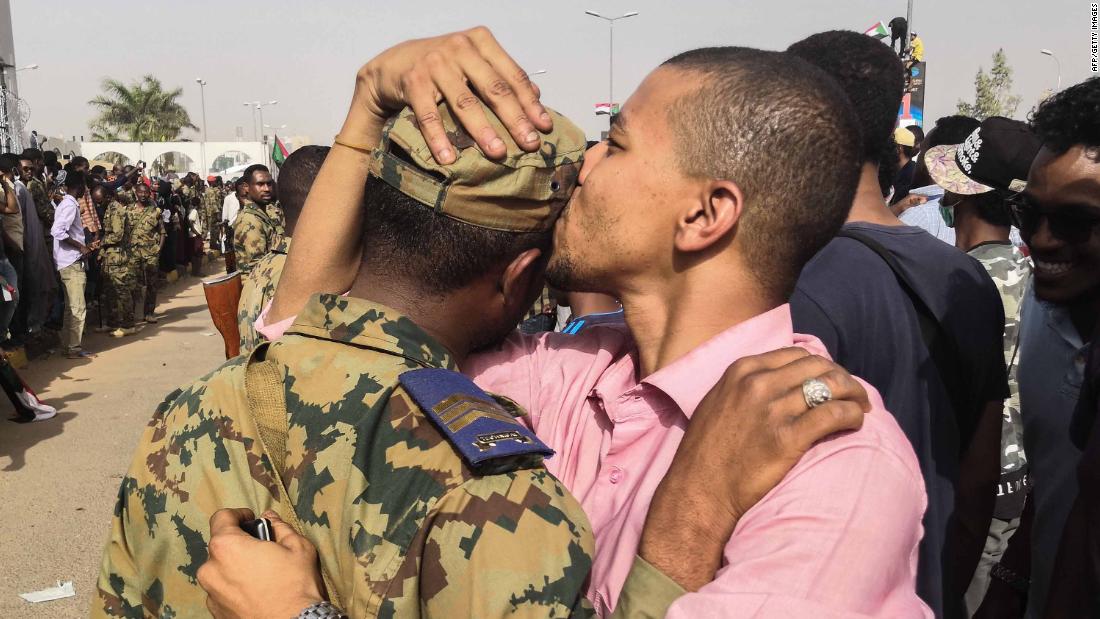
<point>305,54</point>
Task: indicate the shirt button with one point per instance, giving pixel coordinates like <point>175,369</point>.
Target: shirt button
<point>616,475</point>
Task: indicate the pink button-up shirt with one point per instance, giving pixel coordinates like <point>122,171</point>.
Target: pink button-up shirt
<point>836,538</point>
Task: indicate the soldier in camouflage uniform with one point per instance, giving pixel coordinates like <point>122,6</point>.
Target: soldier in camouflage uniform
<point>147,234</point>
<point>296,176</point>
<point>42,204</point>
<point>257,290</point>
<point>212,197</point>
<point>423,494</point>
<point>116,257</point>
<point>260,223</point>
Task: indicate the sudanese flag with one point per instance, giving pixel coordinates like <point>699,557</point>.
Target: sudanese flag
<point>279,152</point>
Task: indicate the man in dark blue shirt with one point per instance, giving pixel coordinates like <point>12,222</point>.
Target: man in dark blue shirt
<point>867,295</point>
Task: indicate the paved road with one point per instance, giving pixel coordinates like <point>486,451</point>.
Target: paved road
<point>59,478</point>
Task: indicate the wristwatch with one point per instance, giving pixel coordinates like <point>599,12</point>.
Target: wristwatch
<point>322,610</point>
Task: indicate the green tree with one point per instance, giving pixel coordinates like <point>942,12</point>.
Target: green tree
<point>992,91</point>
<point>139,112</point>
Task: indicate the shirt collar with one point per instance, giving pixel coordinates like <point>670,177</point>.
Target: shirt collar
<point>370,325</point>
<point>688,379</point>
<point>1060,320</point>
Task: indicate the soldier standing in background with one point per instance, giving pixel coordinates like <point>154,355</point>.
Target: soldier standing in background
<point>296,176</point>
<point>116,258</point>
<point>147,235</point>
<point>42,204</point>
<point>260,224</point>
<point>212,198</point>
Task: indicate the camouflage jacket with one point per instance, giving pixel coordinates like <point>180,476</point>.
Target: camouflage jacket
<point>146,233</point>
<point>1011,271</point>
<point>42,204</point>
<point>212,204</point>
<point>117,235</point>
<point>126,196</point>
<point>402,525</point>
<point>257,288</point>
<point>256,231</point>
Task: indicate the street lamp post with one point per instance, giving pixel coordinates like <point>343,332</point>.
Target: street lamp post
<point>255,131</point>
<point>202,95</point>
<point>260,108</point>
<point>611,56</point>
<point>1047,52</point>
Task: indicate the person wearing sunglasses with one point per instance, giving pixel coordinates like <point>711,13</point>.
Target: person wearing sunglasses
<point>1059,217</point>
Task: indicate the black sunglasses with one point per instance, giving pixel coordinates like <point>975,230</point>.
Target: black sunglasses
<point>1068,225</point>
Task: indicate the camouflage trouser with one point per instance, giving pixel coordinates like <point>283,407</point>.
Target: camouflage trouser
<point>147,271</point>
<point>214,220</point>
<point>119,284</point>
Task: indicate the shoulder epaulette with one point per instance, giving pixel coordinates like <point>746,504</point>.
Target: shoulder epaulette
<point>479,427</point>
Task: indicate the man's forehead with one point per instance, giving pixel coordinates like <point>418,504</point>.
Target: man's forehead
<point>1072,177</point>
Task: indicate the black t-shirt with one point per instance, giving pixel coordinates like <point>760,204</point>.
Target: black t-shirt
<point>849,298</point>
<point>903,181</point>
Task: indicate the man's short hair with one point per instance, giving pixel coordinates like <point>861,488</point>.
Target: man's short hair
<point>869,73</point>
<point>252,169</point>
<point>783,131</point>
<point>98,170</point>
<point>1069,118</point>
<point>9,161</point>
<point>992,208</point>
<point>75,180</point>
<point>918,134</point>
<point>296,176</point>
<point>49,158</point>
<point>953,129</point>
<point>79,161</point>
<point>241,182</point>
<point>437,253</point>
<point>31,154</point>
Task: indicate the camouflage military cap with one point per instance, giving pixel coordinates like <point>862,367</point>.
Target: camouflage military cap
<point>523,192</point>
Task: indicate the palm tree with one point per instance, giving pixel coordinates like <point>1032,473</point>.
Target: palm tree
<point>140,112</point>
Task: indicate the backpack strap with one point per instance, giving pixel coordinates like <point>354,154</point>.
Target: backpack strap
<point>941,346</point>
<point>267,406</point>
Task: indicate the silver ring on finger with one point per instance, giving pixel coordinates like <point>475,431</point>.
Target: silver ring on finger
<point>816,393</point>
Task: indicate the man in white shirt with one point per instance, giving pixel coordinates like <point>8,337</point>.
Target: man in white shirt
<point>232,203</point>
<point>68,254</point>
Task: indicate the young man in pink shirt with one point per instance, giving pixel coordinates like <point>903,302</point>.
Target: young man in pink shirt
<point>726,171</point>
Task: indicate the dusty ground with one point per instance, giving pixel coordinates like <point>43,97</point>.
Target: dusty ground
<point>58,478</point>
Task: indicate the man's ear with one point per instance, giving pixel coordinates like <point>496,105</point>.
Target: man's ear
<point>520,277</point>
<point>711,218</point>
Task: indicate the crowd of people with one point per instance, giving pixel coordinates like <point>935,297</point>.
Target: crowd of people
<point>786,358</point>
<point>77,236</point>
